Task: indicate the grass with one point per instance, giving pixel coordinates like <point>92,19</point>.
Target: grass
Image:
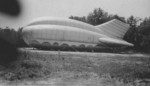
<point>105,68</point>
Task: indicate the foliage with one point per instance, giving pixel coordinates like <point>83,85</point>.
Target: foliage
<point>139,35</point>
<point>12,36</point>
<point>26,67</point>
<point>98,16</point>
<point>8,50</point>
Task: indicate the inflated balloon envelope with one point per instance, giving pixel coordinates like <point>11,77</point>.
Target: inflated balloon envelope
<point>51,30</point>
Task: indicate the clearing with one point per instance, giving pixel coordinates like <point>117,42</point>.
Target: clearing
<point>59,68</point>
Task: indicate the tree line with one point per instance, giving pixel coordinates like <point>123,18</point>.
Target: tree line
<point>12,36</point>
<point>138,33</point>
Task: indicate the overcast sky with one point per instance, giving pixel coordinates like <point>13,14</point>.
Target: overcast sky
<point>64,8</point>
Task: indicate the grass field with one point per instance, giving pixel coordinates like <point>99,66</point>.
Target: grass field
<point>35,67</point>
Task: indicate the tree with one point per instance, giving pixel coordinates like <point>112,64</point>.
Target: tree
<point>139,33</point>
<point>98,16</point>
<point>20,40</point>
<point>145,26</point>
<point>132,34</point>
<point>133,21</point>
<point>144,29</point>
<point>83,19</point>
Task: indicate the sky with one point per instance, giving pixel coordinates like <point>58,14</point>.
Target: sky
<point>32,9</point>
